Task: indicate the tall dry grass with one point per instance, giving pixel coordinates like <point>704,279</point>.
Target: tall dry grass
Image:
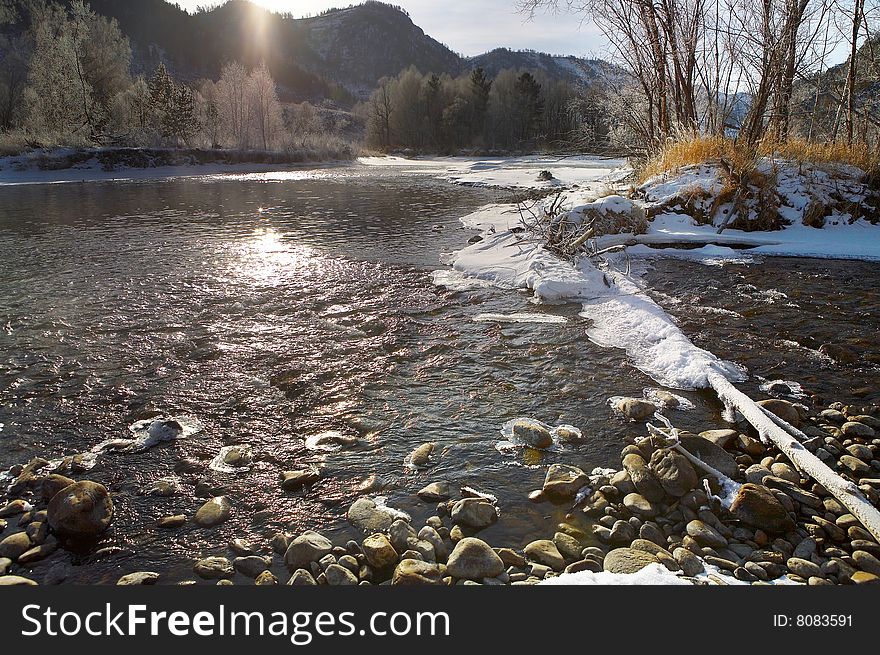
<point>741,157</point>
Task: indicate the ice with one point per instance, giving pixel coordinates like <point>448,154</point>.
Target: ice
<point>519,317</point>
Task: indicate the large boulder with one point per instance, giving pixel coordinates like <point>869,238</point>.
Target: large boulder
<point>474,559</point>
<point>82,510</point>
<point>755,505</point>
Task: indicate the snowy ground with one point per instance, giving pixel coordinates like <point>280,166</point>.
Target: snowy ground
<point>509,172</point>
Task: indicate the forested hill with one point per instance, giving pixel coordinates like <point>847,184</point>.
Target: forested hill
<point>340,54</point>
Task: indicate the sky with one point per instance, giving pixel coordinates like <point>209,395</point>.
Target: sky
<point>470,27</point>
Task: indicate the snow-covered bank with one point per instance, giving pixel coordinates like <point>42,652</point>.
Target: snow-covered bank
<point>509,172</point>
<point>70,165</point>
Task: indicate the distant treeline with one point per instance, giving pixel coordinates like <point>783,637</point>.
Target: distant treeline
<point>517,110</point>
<point>66,81</point>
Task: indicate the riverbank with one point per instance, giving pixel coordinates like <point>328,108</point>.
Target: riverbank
<point>48,166</point>
<point>656,520</point>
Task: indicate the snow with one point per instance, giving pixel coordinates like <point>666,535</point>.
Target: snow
<point>507,172</point>
<point>653,574</point>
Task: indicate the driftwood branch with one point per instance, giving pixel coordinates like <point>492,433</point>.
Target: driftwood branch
<point>770,429</point>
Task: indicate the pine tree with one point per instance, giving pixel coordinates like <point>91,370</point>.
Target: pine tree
<point>531,105</point>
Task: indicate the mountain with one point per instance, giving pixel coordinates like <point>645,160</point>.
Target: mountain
<point>340,54</point>
<point>572,69</point>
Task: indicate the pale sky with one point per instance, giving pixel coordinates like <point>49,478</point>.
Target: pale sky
<point>469,27</point>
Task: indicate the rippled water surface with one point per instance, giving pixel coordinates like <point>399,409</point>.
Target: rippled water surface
<point>275,308</point>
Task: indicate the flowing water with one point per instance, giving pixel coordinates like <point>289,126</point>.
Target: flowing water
<point>275,308</point>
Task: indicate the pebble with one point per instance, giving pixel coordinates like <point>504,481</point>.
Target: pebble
<point>171,522</point>
<point>803,568</point>
<point>414,572</point>
<point>866,562</point>
<point>138,578</point>
<point>266,578</point>
<point>856,429</point>
<point>211,568</point>
<point>295,480</point>
<point>532,433</point>
<point>627,560</point>
<point>544,551</point>
<point>421,456</point>
<point>635,409</point>
<point>301,578</point>
<point>15,545</point>
<point>82,510</point>
<point>379,552</point>
<point>562,482</point>
<point>474,513</point>
<point>307,548</point>
<point>435,492</point>
<point>250,565</point>
<point>340,576</point>
<point>705,534</point>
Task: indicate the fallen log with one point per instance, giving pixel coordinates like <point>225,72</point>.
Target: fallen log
<point>769,430</point>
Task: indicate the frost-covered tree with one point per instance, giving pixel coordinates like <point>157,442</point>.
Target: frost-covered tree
<point>265,108</point>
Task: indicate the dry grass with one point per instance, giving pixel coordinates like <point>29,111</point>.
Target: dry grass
<point>702,149</point>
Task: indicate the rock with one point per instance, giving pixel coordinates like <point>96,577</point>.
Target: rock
<point>138,578</point>
<point>474,513</point>
<point>644,480</point>
<point>804,568</point>
<point>784,471</point>
<point>241,547</point>
<point>833,415</point>
<point>431,536</point>
<point>569,547</point>
<point>379,552</point>
<point>171,522</point>
<point>544,551</point>
<point>14,508</point>
<point>212,568</point>
<point>689,563</point>
<point>369,517</point>
<point>340,576</point>
<point>639,505</point>
<point>214,512</point>
<point>421,455</point>
<point>712,454</point>
<point>757,506</point>
<point>280,542</point>
<point>783,409</point>
<point>859,577</point>
<point>15,545</point>
<point>857,466</point>
<point>250,565</point>
<point>474,559</point>
<point>562,482</point>
<point>839,354</point>
<point>266,578</point>
<point>705,534</point>
<point>794,491</point>
<point>82,510</point>
<point>635,409</point>
<point>532,433</point>
<point>510,557</point>
<point>5,564</point>
<point>38,552</point>
<point>583,565</point>
<point>402,535</point>
<point>435,492</point>
<point>301,578</point>
<point>675,473</point>
<point>756,473</point>
<point>416,572</point>
<point>52,484</point>
<point>721,438</point>
<point>866,562</point>
<point>627,560</point>
<point>307,548</point>
<point>294,480</point>
<point>15,581</point>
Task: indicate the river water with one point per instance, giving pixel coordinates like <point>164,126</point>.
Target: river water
<point>274,308</point>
